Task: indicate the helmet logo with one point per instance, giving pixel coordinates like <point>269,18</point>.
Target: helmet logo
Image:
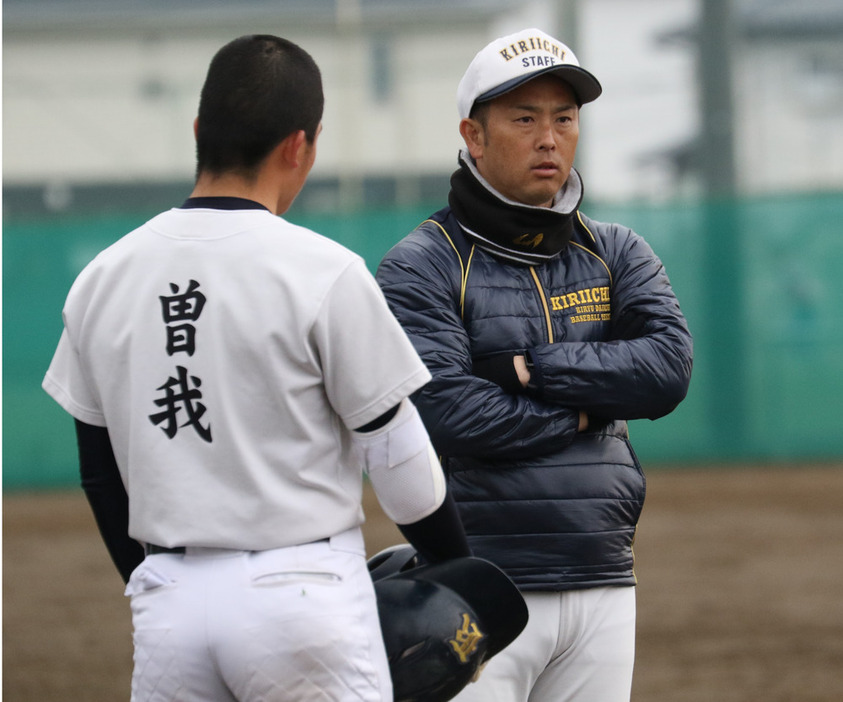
<point>466,639</point>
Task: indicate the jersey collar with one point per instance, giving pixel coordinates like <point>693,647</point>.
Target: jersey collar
<point>222,203</point>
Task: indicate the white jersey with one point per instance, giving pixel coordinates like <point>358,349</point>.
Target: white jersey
<point>230,354</point>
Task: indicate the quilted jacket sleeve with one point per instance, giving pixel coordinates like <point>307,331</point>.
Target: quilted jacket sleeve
<point>465,415</point>
<point>644,369</point>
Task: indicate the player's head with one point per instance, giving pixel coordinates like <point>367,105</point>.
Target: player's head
<point>510,61</point>
<point>259,89</point>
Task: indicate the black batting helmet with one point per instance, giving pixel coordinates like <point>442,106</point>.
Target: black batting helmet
<point>441,622</point>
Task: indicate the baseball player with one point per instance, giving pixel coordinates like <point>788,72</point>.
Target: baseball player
<point>544,332</point>
<point>232,376</point>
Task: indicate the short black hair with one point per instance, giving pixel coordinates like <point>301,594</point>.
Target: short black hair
<point>480,112</point>
<point>259,90</point>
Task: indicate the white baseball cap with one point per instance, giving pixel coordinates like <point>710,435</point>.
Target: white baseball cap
<point>509,61</point>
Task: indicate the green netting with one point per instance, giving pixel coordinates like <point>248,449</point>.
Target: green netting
<point>759,281</point>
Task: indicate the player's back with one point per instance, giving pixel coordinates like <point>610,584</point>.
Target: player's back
<point>203,332</point>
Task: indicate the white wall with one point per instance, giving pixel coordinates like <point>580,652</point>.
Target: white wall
<point>118,105</point>
<point>413,128</point>
<point>790,116</point>
<point>100,108</point>
<point>89,108</point>
<point>649,100</point>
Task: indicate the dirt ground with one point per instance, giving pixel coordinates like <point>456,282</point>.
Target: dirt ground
<point>740,595</point>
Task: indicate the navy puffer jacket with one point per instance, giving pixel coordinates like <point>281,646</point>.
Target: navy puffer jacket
<point>556,509</point>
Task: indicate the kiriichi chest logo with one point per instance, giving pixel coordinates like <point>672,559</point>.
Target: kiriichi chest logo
<point>585,305</point>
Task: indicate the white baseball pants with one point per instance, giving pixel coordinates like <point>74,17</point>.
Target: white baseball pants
<point>292,624</point>
<point>578,646</point>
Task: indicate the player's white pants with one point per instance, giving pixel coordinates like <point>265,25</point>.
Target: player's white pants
<point>293,624</point>
<point>578,646</point>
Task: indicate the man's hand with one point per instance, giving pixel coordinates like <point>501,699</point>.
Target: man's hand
<point>583,422</point>
<point>520,363</point>
<point>513,375</point>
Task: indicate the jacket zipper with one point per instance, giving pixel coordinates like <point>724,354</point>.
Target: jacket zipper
<point>544,304</point>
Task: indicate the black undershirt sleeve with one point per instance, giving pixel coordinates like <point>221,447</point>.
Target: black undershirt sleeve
<point>381,421</point>
<point>107,496</point>
<point>440,536</point>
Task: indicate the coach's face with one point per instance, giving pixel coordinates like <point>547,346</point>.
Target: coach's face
<point>524,141</point>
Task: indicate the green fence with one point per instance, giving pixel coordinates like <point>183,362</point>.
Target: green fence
<point>761,282</point>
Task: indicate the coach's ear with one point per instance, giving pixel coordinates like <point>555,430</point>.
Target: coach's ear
<point>474,136</point>
<point>196,128</point>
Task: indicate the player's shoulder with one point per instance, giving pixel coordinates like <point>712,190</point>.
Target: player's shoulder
<point>312,238</point>
<point>316,251</point>
<point>121,249</point>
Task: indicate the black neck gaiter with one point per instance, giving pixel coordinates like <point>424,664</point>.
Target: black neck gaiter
<point>518,233</point>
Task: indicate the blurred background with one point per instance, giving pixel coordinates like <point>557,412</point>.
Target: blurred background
<point>719,138</point>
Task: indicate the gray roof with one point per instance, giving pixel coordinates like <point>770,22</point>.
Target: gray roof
<point>756,18</point>
<point>766,18</point>
<point>55,14</point>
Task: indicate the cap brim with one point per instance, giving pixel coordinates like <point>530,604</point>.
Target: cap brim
<point>585,86</point>
<point>493,596</point>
